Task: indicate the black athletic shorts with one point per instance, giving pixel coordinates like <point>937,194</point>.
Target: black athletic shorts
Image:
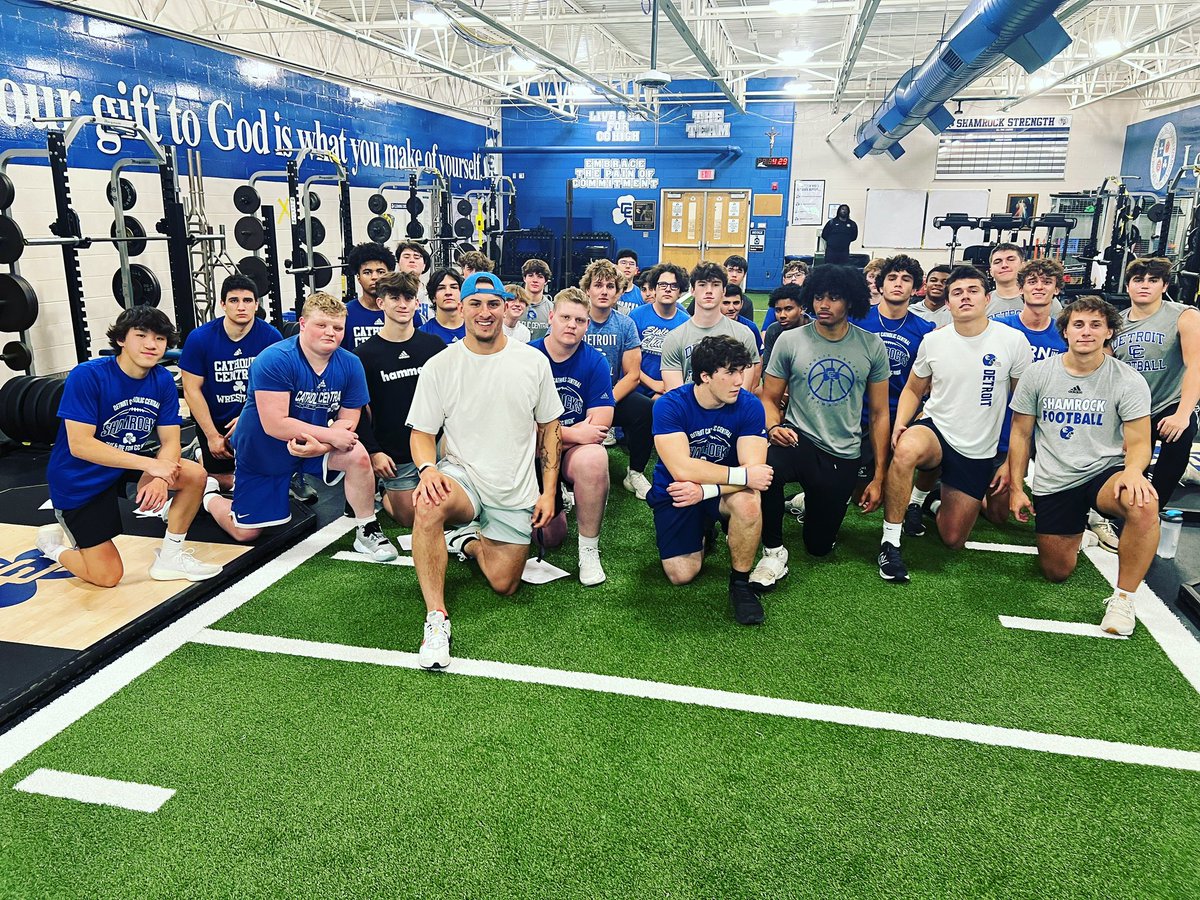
<point>971,476</point>
<point>866,456</point>
<point>99,519</point>
<point>212,465</point>
<point>1066,512</point>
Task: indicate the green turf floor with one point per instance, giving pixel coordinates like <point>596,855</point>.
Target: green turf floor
<point>308,778</point>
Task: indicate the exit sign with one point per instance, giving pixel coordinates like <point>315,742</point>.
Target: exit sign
<point>771,162</point>
<point>706,174</point>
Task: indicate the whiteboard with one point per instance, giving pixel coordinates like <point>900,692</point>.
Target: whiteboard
<point>895,219</point>
<point>973,203</point>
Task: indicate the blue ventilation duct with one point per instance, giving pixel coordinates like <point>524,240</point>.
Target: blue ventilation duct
<point>1024,31</point>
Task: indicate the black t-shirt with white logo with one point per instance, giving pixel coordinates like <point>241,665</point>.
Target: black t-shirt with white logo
<point>392,371</point>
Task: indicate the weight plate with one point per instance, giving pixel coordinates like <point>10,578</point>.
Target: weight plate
<point>290,329</point>
<point>256,270</point>
<point>16,356</point>
<point>466,247</point>
<point>314,201</point>
<point>415,205</point>
<point>415,229</point>
<point>133,229</point>
<point>12,240</point>
<point>18,303</point>
<point>12,395</point>
<point>463,228</point>
<point>249,233</point>
<point>514,224</point>
<point>128,193</point>
<point>37,429</point>
<point>318,233</point>
<point>463,207</point>
<point>324,273</point>
<point>379,229</point>
<point>1157,212</point>
<point>8,193</point>
<point>48,413</point>
<point>377,203</point>
<point>447,231</point>
<point>246,199</point>
<point>146,289</point>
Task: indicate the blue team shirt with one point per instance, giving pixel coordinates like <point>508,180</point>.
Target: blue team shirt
<point>630,300</point>
<point>901,342</point>
<point>125,411</point>
<point>362,324</point>
<point>582,381</point>
<point>617,335</point>
<point>1043,344</point>
<point>224,364</point>
<point>749,323</point>
<point>653,330</point>
<point>712,433</point>
<point>449,335</point>
<point>313,398</point>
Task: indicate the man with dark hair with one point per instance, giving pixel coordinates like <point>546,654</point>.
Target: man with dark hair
<point>110,407</point>
<point>736,269</point>
<point>794,272</point>
<point>473,261</point>
<point>1090,418</point>
<point>932,308</point>
<point>666,283</point>
<point>443,292</point>
<point>411,256</point>
<point>838,234</point>
<point>731,308</point>
<point>215,364</point>
<point>967,370</point>
<point>393,361</point>
<point>536,275</point>
<point>787,312</point>
<point>708,286</point>
<point>1161,340</point>
<point>368,263</point>
<point>828,369</point>
<point>627,265</point>
<point>712,448</point>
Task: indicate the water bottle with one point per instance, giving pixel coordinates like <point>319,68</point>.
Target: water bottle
<point>1170,522</point>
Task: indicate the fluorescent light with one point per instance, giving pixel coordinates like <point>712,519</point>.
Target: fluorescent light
<point>797,87</point>
<point>792,7</point>
<point>794,56</point>
<point>521,65</point>
<point>430,17</point>
<point>1039,81</point>
<point>580,92</point>
<point>1107,46</point>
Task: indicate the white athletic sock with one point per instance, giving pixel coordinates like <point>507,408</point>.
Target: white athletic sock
<point>935,506</point>
<point>56,552</point>
<point>207,499</point>
<point>363,523</point>
<point>171,546</point>
<point>592,542</point>
<point>918,496</point>
<point>891,532</point>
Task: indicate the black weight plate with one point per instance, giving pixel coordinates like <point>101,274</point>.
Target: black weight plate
<point>323,274</point>
<point>17,356</point>
<point>466,247</point>
<point>314,201</point>
<point>377,203</point>
<point>133,229</point>
<point>463,207</point>
<point>48,411</point>
<point>146,289</point>
<point>464,228</point>
<point>18,303</point>
<point>447,230</point>
<point>415,205</point>
<point>415,229</point>
<point>12,240</point>
<point>290,329</point>
<point>8,193</point>
<point>246,199</point>
<point>318,232</point>
<point>249,233</point>
<point>37,429</point>
<point>379,229</point>
<point>256,270</point>
<point>514,224</point>
<point>1157,212</point>
<point>128,194</point>
<point>12,396</point>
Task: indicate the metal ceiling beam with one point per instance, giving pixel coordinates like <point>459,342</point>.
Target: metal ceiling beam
<point>866,16</point>
<point>702,56</point>
<point>1133,86</point>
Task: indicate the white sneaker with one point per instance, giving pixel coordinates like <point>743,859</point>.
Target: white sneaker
<point>1191,475</point>
<point>435,646</point>
<point>1106,535</point>
<point>1119,618</point>
<point>457,539</point>
<point>568,498</point>
<point>771,567</point>
<point>1089,540</point>
<point>369,540</point>
<point>590,571</point>
<point>610,439</point>
<point>636,484</point>
<point>184,567</point>
<point>795,506</point>
<point>50,538</point>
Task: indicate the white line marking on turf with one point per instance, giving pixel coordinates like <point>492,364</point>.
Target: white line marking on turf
<point>25,737</point>
<point>90,789</point>
<point>1002,548</point>
<point>1176,641</point>
<point>351,556</point>
<point>1087,629</point>
<point>1063,745</point>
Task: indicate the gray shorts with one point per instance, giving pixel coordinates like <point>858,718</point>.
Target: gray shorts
<point>496,523</point>
<point>406,478</point>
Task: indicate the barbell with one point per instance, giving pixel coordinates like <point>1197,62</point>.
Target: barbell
<point>13,241</point>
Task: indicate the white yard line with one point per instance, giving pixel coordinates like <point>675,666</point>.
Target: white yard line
<point>1002,548</point>
<point>1063,745</point>
<point>351,556</point>
<point>100,791</point>
<point>26,736</point>
<point>1086,629</point>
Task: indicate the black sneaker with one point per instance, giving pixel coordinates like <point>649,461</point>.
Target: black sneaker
<point>914,525</point>
<point>747,607</point>
<point>301,490</point>
<point>891,566</point>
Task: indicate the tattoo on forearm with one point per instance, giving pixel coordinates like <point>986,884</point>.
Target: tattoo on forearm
<point>550,445</point>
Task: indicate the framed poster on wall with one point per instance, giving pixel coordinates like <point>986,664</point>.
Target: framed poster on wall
<point>808,201</point>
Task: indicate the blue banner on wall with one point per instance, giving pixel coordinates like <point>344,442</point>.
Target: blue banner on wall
<point>1155,150</point>
<point>238,113</point>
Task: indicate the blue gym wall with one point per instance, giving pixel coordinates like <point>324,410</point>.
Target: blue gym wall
<point>542,178</point>
<point>201,95</point>
<point>1147,147</point>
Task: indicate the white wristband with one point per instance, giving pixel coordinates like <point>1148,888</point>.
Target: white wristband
<point>708,491</point>
<point>737,476</point>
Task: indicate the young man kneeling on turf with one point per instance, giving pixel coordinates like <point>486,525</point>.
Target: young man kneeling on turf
<point>1089,415</point>
<point>109,408</point>
<point>711,438</point>
<point>297,388</point>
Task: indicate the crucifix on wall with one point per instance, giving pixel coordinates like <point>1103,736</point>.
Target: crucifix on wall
<point>771,135</point>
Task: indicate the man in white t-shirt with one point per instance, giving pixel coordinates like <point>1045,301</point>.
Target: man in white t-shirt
<point>968,370</point>
<point>495,403</point>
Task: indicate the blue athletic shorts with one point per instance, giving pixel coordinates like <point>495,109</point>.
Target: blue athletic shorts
<point>680,530</point>
<point>260,501</point>
<point>971,476</point>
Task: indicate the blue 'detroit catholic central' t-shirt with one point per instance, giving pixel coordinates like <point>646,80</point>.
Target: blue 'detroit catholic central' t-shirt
<point>901,338</point>
<point>362,324</point>
<point>313,398</point>
<point>712,433</point>
<point>582,381</point>
<point>224,364</point>
<point>125,412</point>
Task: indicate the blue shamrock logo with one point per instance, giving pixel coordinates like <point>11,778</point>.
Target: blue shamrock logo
<point>19,578</point>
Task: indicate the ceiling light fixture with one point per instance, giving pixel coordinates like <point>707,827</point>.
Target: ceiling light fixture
<point>796,87</point>
<point>580,92</point>
<point>521,64</point>
<point>794,56</point>
<point>1107,46</point>
<point>430,17</point>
